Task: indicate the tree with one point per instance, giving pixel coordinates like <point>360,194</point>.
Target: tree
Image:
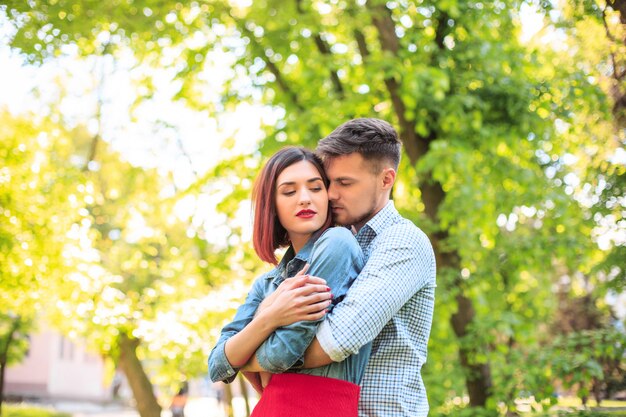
<point>480,116</point>
<point>33,230</point>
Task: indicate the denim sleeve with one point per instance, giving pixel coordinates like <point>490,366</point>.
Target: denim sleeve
<point>336,257</point>
<point>219,367</point>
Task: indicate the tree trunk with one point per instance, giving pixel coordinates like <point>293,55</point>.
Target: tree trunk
<point>228,400</point>
<point>4,356</point>
<point>478,378</point>
<point>146,402</point>
<point>244,393</point>
<point>477,375</point>
<point>3,364</point>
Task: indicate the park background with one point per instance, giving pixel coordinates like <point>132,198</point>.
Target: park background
<point>131,132</point>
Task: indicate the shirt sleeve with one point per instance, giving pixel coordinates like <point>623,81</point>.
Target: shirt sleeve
<point>336,257</point>
<point>219,367</point>
<point>400,264</point>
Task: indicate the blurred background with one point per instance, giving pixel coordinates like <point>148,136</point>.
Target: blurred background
<point>131,131</point>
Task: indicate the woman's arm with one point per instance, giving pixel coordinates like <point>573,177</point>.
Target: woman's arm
<point>337,258</point>
<point>241,337</point>
<point>220,368</point>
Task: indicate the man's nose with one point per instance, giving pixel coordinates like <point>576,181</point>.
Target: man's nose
<point>332,194</point>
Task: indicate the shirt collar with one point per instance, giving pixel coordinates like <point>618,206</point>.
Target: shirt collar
<point>304,255</point>
<point>383,219</point>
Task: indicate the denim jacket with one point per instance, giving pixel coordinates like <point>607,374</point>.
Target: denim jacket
<point>335,256</point>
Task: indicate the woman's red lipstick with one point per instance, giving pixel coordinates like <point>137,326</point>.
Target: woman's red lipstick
<point>306,213</point>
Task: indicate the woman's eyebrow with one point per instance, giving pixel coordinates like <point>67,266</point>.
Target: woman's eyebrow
<point>293,182</point>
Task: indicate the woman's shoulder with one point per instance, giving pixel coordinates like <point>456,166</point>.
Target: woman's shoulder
<point>337,232</point>
<point>337,236</point>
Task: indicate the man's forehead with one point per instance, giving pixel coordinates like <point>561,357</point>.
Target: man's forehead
<point>353,162</point>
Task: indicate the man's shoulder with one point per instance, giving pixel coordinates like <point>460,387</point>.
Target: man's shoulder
<point>404,230</point>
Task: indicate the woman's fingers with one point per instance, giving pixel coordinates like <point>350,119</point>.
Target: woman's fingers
<point>303,270</point>
<point>317,307</point>
<point>316,316</point>
<point>311,289</point>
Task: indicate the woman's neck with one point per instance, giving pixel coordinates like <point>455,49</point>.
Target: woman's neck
<point>299,241</point>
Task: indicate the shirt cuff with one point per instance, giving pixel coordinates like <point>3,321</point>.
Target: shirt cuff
<point>328,343</point>
<point>221,370</point>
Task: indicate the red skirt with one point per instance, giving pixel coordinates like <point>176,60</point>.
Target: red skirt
<point>301,395</point>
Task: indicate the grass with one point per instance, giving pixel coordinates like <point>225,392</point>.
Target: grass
<point>21,410</point>
<point>572,407</point>
<point>577,402</point>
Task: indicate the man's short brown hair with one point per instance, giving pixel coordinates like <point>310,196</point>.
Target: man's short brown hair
<point>376,140</point>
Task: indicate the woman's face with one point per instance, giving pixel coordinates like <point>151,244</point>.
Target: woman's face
<point>301,201</point>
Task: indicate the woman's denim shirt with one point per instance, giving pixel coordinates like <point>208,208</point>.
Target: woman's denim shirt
<point>335,256</point>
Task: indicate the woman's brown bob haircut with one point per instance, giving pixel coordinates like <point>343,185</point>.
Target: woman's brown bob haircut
<point>267,232</point>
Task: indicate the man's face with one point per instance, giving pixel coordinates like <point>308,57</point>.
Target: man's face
<point>356,194</point>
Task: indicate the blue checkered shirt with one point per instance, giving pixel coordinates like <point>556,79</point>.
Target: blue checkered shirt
<point>391,302</point>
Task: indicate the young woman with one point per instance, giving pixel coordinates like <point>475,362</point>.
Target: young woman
<point>291,210</point>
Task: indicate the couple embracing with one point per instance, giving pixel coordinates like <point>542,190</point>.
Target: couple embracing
<point>340,326</point>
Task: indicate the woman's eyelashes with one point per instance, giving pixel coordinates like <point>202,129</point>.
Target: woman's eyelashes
<point>293,192</point>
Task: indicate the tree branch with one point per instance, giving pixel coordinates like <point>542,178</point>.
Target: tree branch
<point>362,44</point>
<point>93,148</point>
<point>324,49</point>
<point>260,52</point>
<point>415,145</point>
<point>322,46</point>
<point>620,6</point>
<point>619,97</point>
<point>442,29</point>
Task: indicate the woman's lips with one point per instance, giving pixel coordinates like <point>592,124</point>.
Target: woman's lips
<point>306,214</point>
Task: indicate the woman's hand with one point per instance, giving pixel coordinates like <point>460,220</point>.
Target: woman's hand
<point>302,297</point>
<point>287,284</point>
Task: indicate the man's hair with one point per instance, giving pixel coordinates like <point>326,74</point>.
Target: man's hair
<point>376,140</point>
<point>268,234</point>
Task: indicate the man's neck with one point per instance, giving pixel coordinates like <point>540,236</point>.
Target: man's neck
<point>358,226</point>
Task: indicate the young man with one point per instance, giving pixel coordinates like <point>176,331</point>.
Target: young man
<point>391,302</point>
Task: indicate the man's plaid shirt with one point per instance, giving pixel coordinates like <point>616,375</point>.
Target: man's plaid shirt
<point>391,302</point>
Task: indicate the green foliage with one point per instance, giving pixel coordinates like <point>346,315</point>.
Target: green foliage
<point>514,135</point>
<point>14,337</point>
<point>587,360</point>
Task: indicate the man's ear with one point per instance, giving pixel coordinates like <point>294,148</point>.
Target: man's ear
<point>389,178</point>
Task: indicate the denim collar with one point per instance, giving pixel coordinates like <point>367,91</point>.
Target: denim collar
<point>292,262</point>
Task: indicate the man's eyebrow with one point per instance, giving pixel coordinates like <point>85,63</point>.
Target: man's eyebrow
<point>344,179</point>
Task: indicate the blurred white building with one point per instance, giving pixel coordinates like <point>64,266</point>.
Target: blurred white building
<point>57,368</point>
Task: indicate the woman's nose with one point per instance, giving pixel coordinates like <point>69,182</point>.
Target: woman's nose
<point>305,198</point>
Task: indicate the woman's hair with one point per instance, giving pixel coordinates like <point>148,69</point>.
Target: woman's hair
<point>267,232</point>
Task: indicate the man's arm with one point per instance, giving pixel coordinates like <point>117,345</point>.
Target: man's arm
<point>314,357</point>
<point>401,263</point>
